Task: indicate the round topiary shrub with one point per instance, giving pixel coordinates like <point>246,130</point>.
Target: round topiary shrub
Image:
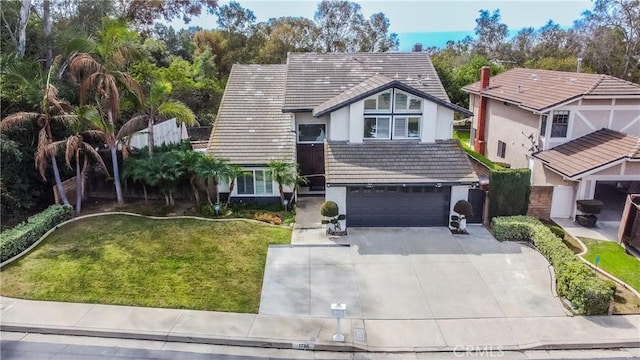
<point>464,208</point>
<point>329,209</point>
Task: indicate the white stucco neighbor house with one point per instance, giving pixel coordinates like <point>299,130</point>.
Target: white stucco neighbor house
<point>579,134</point>
<point>371,132</point>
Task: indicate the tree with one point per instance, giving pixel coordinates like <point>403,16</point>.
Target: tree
<point>50,105</point>
<point>157,106</point>
<point>163,171</point>
<point>80,124</point>
<point>374,35</point>
<point>232,173</point>
<point>490,31</point>
<point>284,35</point>
<point>338,23</point>
<point>623,16</point>
<point>134,169</point>
<point>211,170</point>
<point>145,12</point>
<point>189,162</point>
<point>102,72</point>
<point>233,18</point>
<point>285,173</point>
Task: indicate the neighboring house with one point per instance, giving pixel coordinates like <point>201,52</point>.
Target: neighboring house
<point>166,132</point>
<point>199,137</point>
<point>577,132</point>
<point>373,131</point>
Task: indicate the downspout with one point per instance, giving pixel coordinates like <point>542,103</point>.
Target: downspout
<point>479,144</point>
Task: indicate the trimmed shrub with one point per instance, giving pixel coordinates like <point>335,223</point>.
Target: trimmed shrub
<point>592,206</point>
<point>574,279</point>
<point>509,193</point>
<point>16,240</point>
<point>329,209</point>
<point>464,208</point>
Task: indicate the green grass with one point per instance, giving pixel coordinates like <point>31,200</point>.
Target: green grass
<point>614,260</point>
<point>127,260</point>
<point>464,137</point>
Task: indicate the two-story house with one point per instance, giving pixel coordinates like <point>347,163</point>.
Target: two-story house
<point>577,132</point>
<point>373,131</point>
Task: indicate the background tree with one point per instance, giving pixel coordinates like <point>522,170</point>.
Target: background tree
<point>338,23</point>
<point>491,33</point>
<point>374,35</point>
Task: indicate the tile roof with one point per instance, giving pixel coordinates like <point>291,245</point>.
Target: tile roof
<point>589,152</point>
<point>373,85</point>
<point>397,162</point>
<point>251,128</point>
<point>539,90</point>
<point>315,78</point>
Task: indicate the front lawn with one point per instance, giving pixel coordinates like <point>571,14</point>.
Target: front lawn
<point>128,260</point>
<point>464,136</point>
<point>614,260</point>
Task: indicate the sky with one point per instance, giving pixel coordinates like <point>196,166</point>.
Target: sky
<point>453,19</point>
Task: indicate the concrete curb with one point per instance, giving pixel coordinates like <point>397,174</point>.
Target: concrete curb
<point>319,346</point>
<point>27,250</point>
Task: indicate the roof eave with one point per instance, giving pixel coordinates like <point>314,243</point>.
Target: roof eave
<point>405,184</point>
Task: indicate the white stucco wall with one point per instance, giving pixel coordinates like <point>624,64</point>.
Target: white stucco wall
<point>356,122</point>
<point>444,126</point>
<point>338,194</point>
<point>458,193</point>
<point>429,122</point>
<point>339,125</point>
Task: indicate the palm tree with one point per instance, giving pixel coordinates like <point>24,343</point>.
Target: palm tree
<point>189,161</point>
<point>80,124</point>
<point>49,104</point>
<point>233,171</point>
<point>284,173</point>
<point>164,171</point>
<point>211,170</point>
<point>134,169</point>
<point>102,72</point>
<point>157,106</point>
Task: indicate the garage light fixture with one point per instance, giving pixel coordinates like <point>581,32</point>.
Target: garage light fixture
<point>438,185</point>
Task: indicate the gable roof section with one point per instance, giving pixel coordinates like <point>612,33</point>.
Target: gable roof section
<point>373,85</point>
<point>590,152</point>
<point>538,90</point>
<point>315,78</point>
<point>251,128</point>
<point>397,163</point>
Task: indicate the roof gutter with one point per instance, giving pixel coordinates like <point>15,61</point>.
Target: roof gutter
<point>435,184</point>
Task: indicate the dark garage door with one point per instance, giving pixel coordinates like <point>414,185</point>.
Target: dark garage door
<point>398,206</point>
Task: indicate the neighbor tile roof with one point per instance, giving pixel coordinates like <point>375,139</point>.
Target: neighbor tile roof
<point>539,90</point>
<point>590,152</point>
<point>251,128</point>
<point>315,78</point>
<point>378,162</point>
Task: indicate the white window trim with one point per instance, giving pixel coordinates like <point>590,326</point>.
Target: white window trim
<point>566,135</point>
<point>406,127</point>
<point>409,97</point>
<point>310,142</point>
<point>375,97</point>
<point>392,113</point>
<point>253,171</point>
<point>377,117</point>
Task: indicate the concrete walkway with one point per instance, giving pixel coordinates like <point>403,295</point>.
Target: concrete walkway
<point>172,325</point>
<point>307,229</point>
<point>604,230</point>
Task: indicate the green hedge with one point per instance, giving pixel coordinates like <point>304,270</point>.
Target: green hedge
<point>16,240</point>
<point>509,192</point>
<point>575,281</point>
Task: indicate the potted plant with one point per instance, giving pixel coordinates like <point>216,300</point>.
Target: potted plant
<point>329,210</point>
<point>589,209</point>
<point>464,209</point>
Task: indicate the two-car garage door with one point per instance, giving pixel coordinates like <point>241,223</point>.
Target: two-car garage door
<point>398,206</point>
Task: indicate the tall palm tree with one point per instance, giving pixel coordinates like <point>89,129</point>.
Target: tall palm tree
<point>49,105</point>
<point>233,171</point>
<point>102,72</point>
<point>80,124</point>
<point>157,106</point>
<point>284,173</point>
<point>211,170</point>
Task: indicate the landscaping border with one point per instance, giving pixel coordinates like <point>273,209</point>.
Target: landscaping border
<point>37,242</point>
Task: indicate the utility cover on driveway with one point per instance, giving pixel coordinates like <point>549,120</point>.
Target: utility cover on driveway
<point>410,273</point>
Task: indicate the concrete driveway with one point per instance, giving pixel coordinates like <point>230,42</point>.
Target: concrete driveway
<point>410,273</point>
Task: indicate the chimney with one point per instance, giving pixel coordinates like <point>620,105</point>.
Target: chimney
<point>479,144</point>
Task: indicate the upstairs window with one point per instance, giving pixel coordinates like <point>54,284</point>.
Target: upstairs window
<point>378,103</point>
<point>406,102</point>
<point>406,127</point>
<point>560,124</point>
<point>377,127</point>
<point>311,133</point>
<point>502,149</point>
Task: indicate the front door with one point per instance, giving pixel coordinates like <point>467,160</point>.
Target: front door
<point>311,160</point>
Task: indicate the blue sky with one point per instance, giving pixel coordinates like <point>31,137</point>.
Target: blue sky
<point>408,18</point>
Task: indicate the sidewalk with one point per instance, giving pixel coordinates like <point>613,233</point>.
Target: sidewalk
<point>191,326</point>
